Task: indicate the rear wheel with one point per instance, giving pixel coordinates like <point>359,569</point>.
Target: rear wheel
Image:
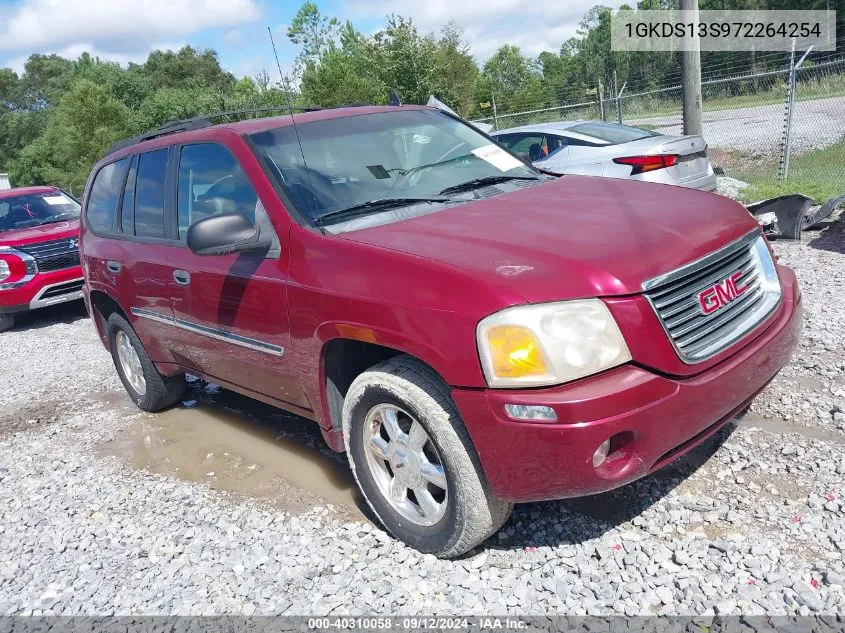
<point>414,461</point>
<point>7,322</point>
<point>149,389</point>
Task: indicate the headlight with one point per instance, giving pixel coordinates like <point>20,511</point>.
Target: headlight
<point>549,344</point>
<point>16,268</point>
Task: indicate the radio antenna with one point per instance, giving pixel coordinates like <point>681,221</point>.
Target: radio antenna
<point>276,54</point>
<point>286,87</point>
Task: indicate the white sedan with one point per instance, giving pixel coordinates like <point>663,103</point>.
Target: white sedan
<point>594,148</point>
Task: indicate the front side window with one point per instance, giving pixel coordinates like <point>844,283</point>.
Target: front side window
<point>339,164</point>
<point>101,210</point>
<point>149,194</point>
<point>211,182</point>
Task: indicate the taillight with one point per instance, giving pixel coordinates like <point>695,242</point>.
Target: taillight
<point>16,268</point>
<point>642,164</point>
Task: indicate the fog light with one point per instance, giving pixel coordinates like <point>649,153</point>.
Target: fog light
<point>532,412</point>
<point>601,453</point>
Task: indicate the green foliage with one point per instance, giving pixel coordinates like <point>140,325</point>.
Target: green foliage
<point>816,173</point>
<point>187,68</point>
<point>313,31</point>
<point>87,121</point>
<point>170,104</point>
<point>338,80</point>
<point>60,116</point>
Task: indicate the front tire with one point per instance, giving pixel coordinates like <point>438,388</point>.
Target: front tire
<point>414,461</point>
<point>149,389</point>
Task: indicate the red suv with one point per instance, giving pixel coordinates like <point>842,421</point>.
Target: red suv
<point>39,250</point>
<point>471,331</point>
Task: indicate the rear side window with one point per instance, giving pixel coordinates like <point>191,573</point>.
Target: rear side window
<point>103,200</point>
<point>211,182</point>
<point>149,194</point>
<point>530,146</point>
<point>127,209</point>
<point>611,133</point>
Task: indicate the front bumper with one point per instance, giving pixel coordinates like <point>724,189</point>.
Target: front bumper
<point>44,289</point>
<point>659,417</point>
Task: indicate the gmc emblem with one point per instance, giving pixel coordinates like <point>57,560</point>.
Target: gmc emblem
<point>721,294</point>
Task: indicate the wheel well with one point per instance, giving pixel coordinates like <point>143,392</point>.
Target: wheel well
<point>345,360</point>
<point>105,307</point>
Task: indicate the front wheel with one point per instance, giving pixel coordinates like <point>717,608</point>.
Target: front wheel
<point>414,462</point>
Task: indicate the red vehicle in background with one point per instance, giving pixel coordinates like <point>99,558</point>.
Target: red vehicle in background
<point>39,250</point>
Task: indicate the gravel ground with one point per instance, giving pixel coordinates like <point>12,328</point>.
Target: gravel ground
<point>758,130</point>
<point>751,522</point>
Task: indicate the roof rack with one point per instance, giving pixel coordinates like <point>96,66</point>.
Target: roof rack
<point>196,123</point>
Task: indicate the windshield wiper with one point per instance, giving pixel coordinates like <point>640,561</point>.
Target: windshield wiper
<point>481,182</point>
<point>60,217</point>
<point>375,205</point>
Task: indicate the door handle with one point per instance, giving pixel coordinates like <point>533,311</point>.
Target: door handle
<point>182,277</point>
<point>114,266</point>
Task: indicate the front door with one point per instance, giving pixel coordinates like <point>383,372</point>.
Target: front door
<point>231,309</point>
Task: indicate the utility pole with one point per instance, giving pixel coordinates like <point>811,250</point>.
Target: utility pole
<point>692,76</point>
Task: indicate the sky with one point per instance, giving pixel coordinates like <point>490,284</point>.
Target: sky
<point>127,30</point>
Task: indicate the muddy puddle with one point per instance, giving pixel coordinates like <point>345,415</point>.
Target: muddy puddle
<point>241,446</point>
<point>772,425</point>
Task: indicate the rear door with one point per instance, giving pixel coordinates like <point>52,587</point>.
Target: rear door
<point>231,309</point>
<point>146,247</point>
<point>126,246</point>
<point>530,146</point>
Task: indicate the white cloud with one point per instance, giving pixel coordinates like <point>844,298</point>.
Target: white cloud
<point>533,26</point>
<point>121,26</point>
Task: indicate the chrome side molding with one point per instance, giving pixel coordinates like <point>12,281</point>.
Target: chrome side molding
<point>215,333</point>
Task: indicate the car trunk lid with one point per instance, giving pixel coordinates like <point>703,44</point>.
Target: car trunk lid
<point>691,151</point>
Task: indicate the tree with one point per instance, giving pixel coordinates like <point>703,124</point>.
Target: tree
<point>337,80</point>
<point>405,60</point>
<point>8,89</point>
<point>187,68</point>
<point>513,79</point>
<point>170,104</point>
<point>87,121</point>
<point>313,31</point>
<point>455,70</point>
<point>45,79</point>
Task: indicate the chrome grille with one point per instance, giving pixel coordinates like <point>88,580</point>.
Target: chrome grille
<point>675,298</point>
<point>55,254</point>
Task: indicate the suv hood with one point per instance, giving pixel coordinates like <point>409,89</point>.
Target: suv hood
<point>43,233</point>
<point>571,238</point>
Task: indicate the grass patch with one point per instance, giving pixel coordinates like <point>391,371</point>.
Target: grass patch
<point>819,174</point>
<point>714,99</point>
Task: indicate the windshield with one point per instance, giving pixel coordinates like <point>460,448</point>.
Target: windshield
<point>611,133</point>
<point>351,161</point>
<point>34,209</point>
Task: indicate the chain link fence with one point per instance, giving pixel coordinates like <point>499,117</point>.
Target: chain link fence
<point>746,124</point>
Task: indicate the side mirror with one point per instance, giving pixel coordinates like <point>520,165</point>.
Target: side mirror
<point>225,234</point>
